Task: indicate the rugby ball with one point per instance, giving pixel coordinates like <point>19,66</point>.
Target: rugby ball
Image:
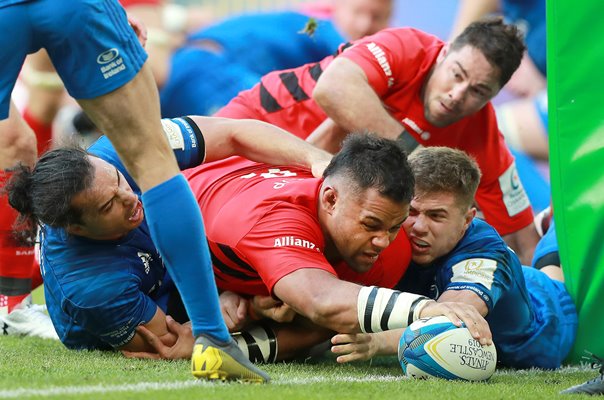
<point>435,347</point>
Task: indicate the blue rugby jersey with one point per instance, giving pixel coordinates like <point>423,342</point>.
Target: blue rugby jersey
<point>98,292</point>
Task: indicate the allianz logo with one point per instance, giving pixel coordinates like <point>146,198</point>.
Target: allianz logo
<point>294,241</point>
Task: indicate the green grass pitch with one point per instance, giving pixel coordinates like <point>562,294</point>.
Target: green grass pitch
<point>35,368</point>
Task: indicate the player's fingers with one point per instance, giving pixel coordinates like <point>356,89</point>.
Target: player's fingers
<point>242,310</point>
<point>175,327</point>
<point>341,338</point>
<point>150,338</point>
<point>354,356</point>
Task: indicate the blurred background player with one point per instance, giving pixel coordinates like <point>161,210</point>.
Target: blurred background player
<point>219,61</point>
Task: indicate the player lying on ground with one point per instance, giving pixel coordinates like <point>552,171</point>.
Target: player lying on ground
<point>328,248</point>
<point>459,258</point>
<point>103,275</point>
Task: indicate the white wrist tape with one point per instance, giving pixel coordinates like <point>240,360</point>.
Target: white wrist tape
<point>382,309</point>
<point>258,343</point>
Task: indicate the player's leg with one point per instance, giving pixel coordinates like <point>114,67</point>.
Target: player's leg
<point>118,92</point>
<point>17,145</point>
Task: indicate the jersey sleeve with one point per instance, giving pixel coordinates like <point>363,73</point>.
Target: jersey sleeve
<point>283,241</point>
<point>488,278</point>
<point>500,195</point>
<point>112,311</point>
<point>389,57</point>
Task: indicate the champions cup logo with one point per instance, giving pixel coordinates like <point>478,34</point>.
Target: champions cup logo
<point>473,266</point>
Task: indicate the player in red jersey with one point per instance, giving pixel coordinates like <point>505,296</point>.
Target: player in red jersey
<point>320,246</point>
<point>403,83</point>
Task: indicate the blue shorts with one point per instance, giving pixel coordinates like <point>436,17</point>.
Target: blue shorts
<point>555,322</point>
<point>90,43</point>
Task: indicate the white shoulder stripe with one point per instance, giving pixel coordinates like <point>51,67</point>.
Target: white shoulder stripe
<point>475,270</point>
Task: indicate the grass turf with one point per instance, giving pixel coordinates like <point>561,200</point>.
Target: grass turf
<point>37,368</point>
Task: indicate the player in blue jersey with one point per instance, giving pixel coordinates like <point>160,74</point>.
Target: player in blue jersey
<point>219,61</point>
<point>459,258</point>
<point>102,64</point>
<point>103,274</point>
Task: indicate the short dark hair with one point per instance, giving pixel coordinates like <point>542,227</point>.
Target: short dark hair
<point>373,162</point>
<point>44,193</point>
<point>446,170</point>
<point>502,44</point>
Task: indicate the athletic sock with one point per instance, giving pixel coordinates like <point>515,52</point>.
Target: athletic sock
<point>177,230</point>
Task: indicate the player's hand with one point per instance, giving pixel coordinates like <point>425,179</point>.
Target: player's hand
<point>458,312</point>
<point>320,161</point>
<point>234,310</point>
<point>354,346</point>
<point>139,28</point>
<point>181,349</point>
<point>268,307</point>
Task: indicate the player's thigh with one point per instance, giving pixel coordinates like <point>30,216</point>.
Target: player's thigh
<point>15,43</point>
<point>90,43</point>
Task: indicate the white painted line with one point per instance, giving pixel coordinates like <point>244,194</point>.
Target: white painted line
<point>152,386</point>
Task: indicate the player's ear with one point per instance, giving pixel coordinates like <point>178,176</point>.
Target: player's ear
<point>329,197</point>
<point>443,53</point>
<point>470,214</point>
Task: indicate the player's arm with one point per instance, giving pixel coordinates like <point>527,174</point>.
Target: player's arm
<point>353,105</point>
<point>158,326</point>
<point>523,242</point>
<point>258,141</point>
<point>466,297</point>
<point>349,308</point>
<point>17,140</point>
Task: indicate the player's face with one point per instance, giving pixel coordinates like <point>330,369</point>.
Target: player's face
<point>110,209</point>
<point>358,18</point>
<point>461,83</point>
<point>435,225</point>
<point>363,224</point>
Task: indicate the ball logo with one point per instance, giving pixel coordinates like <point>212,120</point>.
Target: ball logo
<point>107,56</point>
<point>437,348</point>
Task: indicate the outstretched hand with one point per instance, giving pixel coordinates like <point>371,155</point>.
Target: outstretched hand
<point>182,348</point>
<point>354,346</point>
<point>458,312</point>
